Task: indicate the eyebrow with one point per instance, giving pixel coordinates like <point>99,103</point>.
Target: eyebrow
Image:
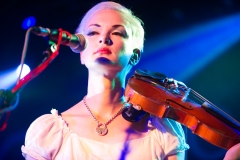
<point>114,26</point>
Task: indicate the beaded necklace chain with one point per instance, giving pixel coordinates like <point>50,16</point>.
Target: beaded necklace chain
<point>102,127</point>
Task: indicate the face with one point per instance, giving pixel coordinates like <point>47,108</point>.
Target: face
<point>108,42</point>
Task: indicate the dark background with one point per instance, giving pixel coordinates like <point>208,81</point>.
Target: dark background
<point>64,82</point>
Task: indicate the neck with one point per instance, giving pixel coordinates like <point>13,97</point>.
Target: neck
<point>105,94</point>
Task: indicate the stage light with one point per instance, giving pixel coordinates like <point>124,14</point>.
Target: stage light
<point>25,70</point>
<point>28,22</point>
<point>9,78</point>
<point>182,54</point>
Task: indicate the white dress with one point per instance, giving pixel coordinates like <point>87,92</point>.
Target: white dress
<point>49,137</point>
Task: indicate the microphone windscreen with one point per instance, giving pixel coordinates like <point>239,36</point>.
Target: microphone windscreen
<point>82,44</point>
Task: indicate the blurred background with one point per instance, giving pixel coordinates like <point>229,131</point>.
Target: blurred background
<point>197,42</point>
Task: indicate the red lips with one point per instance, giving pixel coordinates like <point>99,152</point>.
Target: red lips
<point>103,51</point>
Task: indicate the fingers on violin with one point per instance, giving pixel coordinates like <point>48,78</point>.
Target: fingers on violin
<point>182,85</point>
<point>171,83</point>
<point>174,84</point>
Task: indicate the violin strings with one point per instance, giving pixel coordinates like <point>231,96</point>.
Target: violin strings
<point>201,97</point>
<point>214,106</point>
<point>197,96</point>
<point>202,100</point>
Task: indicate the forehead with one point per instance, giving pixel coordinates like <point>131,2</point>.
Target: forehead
<point>106,17</point>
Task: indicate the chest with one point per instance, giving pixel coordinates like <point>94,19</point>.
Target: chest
<point>82,148</point>
<point>117,131</point>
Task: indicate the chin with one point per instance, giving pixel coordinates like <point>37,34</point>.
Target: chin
<point>104,61</point>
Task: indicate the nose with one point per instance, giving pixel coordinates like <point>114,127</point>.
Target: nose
<point>105,40</point>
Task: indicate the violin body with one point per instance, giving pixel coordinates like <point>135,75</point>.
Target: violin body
<point>152,96</point>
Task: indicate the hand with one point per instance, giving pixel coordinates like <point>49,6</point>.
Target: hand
<point>233,153</point>
<point>174,85</point>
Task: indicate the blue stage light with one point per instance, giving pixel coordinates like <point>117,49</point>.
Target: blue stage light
<point>183,53</point>
<point>28,22</point>
<point>9,78</point>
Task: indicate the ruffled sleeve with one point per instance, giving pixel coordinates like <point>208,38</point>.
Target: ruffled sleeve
<point>170,134</point>
<point>44,137</point>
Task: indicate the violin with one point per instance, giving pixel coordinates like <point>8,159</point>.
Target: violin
<point>154,93</point>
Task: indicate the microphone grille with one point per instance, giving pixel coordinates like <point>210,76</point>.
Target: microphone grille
<point>82,44</point>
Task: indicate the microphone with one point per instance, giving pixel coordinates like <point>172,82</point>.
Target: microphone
<point>76,42</point>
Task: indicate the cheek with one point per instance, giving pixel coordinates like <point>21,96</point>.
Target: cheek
<point>123,60</point>
<point>81,58</point>
<point>126,52</point>
<point>128,46</point>
<point>124,57</point>
<point>84,55</point>
<point>127,49</point>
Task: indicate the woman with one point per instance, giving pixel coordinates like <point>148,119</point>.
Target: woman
<point>93,129</point>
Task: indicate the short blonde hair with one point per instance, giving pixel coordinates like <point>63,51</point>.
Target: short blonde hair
<point>133,22</point>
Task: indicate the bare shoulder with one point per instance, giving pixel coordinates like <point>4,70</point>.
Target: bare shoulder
<point>74,110</point>
<point>74,115</point>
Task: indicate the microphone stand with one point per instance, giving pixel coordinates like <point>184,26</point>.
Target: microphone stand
<point>9,99</point>
<point>51,53</point>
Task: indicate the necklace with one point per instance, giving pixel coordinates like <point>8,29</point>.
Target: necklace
<point>102,127</point>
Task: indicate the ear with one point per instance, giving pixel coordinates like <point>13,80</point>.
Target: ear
<point>135,58</point>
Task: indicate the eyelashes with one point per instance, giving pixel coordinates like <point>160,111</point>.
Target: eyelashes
<point>119,34</point>
<point>92,33</point>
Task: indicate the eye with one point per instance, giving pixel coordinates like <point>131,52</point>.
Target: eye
<point>118,34</point>
<point>92,33</point>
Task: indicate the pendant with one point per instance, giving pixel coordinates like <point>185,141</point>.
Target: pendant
<point>101,129</point>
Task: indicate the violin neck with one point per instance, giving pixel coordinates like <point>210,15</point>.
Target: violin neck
<point>212,109</point>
